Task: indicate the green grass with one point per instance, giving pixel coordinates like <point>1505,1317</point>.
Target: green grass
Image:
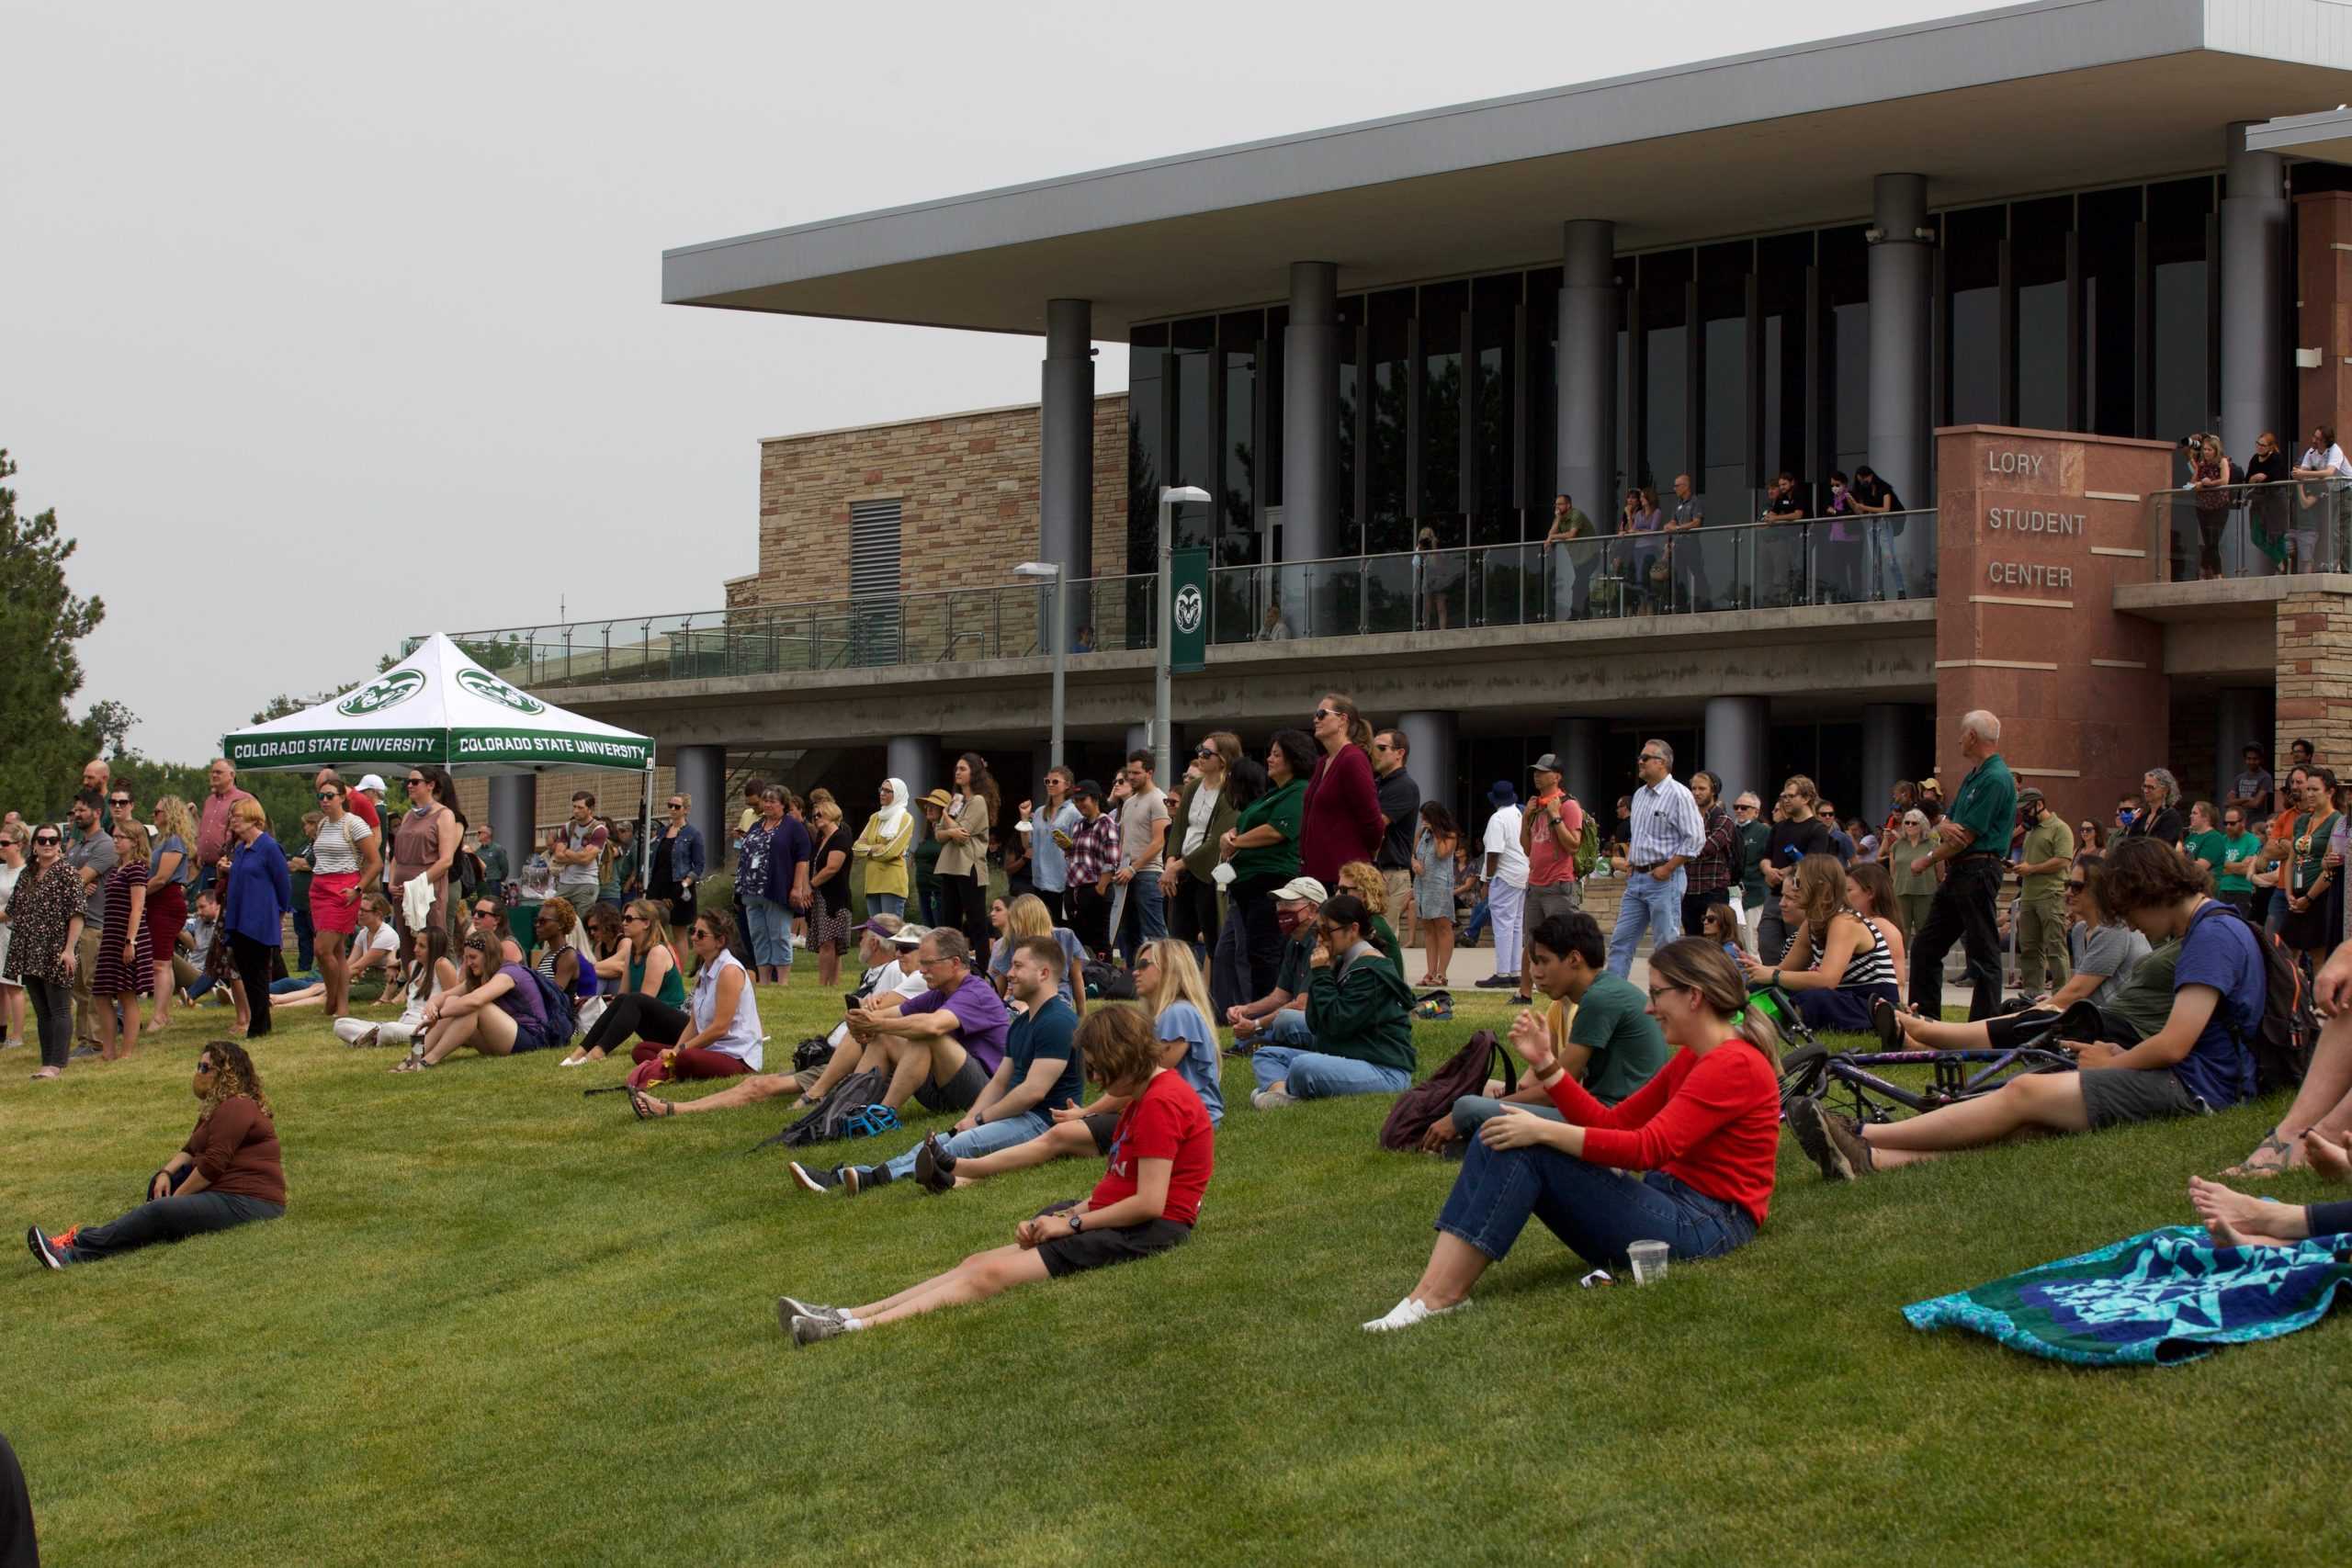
<point>504,1323</point>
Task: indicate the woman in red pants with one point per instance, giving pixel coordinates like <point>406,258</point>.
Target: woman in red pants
<point>723,1036</point>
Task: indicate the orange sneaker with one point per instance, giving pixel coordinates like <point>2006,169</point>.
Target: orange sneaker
<point>66,1238</point>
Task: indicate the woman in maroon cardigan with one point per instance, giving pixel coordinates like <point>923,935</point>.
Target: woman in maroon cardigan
<point>1341,820</point>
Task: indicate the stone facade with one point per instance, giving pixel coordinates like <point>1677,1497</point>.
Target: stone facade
<point>2315,676</point>
<point>967,483</point>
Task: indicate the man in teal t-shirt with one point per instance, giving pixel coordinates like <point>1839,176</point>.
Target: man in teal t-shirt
<point>2231,846</point>
<point>1973,844</point>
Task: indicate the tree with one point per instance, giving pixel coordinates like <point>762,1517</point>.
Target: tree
<point>40,621</point>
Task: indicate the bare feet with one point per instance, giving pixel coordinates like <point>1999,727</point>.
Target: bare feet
<point>2329,1157</point>
<point>2231,1217</point>
<point>2270,1158</point>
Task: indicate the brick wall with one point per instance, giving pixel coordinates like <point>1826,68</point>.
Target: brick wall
<point>2315,676</point>
<point>967,484</point>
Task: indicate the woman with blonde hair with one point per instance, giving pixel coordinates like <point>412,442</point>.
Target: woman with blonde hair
<point>1027,915</point>
<point>651,999</point>
<point>1363,879</point>
<point>1205,810</point>
<point>259,895</point>
<point>1698,1143</point>
<point>676,861</point>
<point>883,845</point>
<point>828,900</point>
<point>1838,965</point>
<point>169,881</point>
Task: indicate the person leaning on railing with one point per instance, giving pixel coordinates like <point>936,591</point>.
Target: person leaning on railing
<point>2316,503</point>
<point>2266,507</point>
<point>2210,477</point>
<point>1874,495</point>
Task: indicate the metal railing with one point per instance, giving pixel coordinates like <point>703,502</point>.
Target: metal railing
<point>2264,529</point>
<point>1744,567</point>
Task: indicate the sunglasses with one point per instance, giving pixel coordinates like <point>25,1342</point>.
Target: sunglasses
<point>120,800</point>
<point>330,794</point>
<point>202,1069</point>
<point>1206,753</point>
<point>2233,821</point>
<point>1322,714</point>
<point>2077,886</point>
<point>415,779</point>
<point>677,805</point>
<point>485,914</point>
<point>45,838</point>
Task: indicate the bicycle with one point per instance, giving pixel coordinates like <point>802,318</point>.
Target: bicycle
<point>1843,1079</point>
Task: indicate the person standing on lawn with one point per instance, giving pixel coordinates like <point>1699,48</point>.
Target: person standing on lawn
<point>1400,808</point>
<point>1667,835</point>
<point>1973,848</point>
<point>1162,1154</point>
<point>45,916</point>
<point>229,1173</point>
<point>1703,1133</point>
<point>260,893</point>
<point>2039,912</point>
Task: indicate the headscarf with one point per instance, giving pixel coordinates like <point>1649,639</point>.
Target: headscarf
<point>890,818</point>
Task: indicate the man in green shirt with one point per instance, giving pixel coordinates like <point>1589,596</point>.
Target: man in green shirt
<point>497,870</point>
<point>1972,846</point>
<point>2040,913</point>
<point>2231,853</point>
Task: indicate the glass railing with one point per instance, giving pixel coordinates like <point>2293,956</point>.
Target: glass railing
<point>2265,529</point>
<point>1745,567</point>
<point>1754,566</point>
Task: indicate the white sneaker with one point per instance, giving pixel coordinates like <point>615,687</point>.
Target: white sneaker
<point>1273,1099</point>
<point>1408,1313</point>
<point>573,1061</point>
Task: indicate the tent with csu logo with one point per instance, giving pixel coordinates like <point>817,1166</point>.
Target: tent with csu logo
<point>437,706</point>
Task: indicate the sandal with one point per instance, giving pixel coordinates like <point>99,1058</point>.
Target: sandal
<point>2260,1168</point>
<point>638,1100</point>
<point>44,1075</point>
<point>415,1063</point>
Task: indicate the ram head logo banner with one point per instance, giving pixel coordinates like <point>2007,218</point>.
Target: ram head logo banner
<point>385,690</point>
<point>484,685</point>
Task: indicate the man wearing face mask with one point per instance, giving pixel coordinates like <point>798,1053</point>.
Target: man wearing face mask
<point>2041,923</point>
<point>1279,1018</point>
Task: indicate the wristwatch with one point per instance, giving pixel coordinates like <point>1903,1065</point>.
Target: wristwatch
<point>1077,1222</point>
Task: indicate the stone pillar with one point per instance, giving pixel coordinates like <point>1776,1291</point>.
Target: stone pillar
<point>1066,452</point>
<point>1587,368</point>
<point>1735,743</point>
<point>702,779</point>
<point>1140,738</point>
<point>1578,742</point>
<point>514,811</point>
<point>1429,757</point>
<point>2323,312</point>
<point>1901,275</point>
<point>1883,761</point>
<point>1310,414</point>
<point>914,761</point>
<point>2315,677</point>
<point>2253,272</point>
<point>2242,717</point>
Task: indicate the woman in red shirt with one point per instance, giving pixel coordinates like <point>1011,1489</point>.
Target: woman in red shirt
<point>1161,1154</point>
<point>1703,1133</point>
<point>1339,820</point>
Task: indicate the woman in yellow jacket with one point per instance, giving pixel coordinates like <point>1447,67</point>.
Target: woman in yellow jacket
<point>882,848</point>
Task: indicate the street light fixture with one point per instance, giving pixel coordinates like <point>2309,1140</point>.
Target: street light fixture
<point>1059,633</point>
<point>1163,743</point>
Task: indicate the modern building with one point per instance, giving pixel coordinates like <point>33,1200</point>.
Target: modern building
<point>2006,260</point>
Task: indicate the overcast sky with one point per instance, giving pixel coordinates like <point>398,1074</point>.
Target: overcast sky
<point>320,328</point>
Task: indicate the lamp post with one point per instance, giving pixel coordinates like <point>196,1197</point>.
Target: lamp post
<point>1163,741</point>
<point>1051,571</point>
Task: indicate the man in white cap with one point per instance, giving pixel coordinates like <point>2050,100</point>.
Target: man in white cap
<point>368,801</point>
<point>1279,1018</point>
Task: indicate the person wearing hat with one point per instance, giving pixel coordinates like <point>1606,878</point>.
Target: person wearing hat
<point>2040,917</point>
<point>1263,849</point>
<point>926,856</point>
<point>1549,828</point>
<point>1094,856</point>
<point>1359,1018</point>
<point>1279,1016</point>
<point>1504,878</point>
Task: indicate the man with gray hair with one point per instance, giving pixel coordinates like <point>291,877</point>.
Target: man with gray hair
<point>2162,820</point>
<point>1663,835</point>
<point>1973,846</point>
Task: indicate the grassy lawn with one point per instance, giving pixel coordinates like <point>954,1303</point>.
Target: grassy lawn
<point>502,1323</point>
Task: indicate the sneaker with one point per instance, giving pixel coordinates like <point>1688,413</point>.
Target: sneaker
<point>82,1054</point>
<point>1889,1027</point>
<point>787,1308</point>
<point>1273,1099</point>
<point>816,1180</point>
<point>934,1166</point>
<point>43,1249</point>
<point>1408,1313</point>
<point>1498,983</point>
<point>809,1330</point>
<point>65,1238</point>
<point>1828,1142</point>
<point>1522,1001</point>
<point>856,1178</point>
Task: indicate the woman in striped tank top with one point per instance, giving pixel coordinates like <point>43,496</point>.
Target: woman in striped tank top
<point>1836,963</point>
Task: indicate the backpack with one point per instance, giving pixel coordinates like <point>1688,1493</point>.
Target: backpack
<point>1587,845</point>
<point>1107,984</point>
<point>563,1022</point>
<point>1466,1072</point>
<point>833,1114</point>
<point>2281,1043</point>
<point>812,1052</point>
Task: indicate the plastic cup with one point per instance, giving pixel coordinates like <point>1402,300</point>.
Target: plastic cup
<point>1649,1258</point>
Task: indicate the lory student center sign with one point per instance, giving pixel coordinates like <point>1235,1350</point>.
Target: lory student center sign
<point>438,706</point>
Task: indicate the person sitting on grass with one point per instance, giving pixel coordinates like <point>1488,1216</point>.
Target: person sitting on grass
<point>228,1173</point>
<point>2318,1125</point>
<point>1363,879</point>
<point>1703,1133</point>
<point>943,1045</point>
<point>497,1009</point>
<point>433,973</point>
<point>1041,1074</point>
<point>1171,992</point>
<point>1358,1019</point>
<point>490,918</point>
<point>1870,893</point>
<point>1162,1155</point>
<point>719,1036</point>
<point>651,999</point>
<point>1721,924</point>
<point>1838,966</point>
<point>1598,1029</point>
<point>567,964</point>
<point>2107,955</point>
<point>1027,915</point>
<point>1279,1018</point>
<point>2234,1219</point>
<point>368,968</point>
<point>2195,1064</point>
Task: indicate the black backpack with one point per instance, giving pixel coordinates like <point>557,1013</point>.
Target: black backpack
<point>1105,982</point>
<point>829,1120</point>
<point>2281,1043</point>
<point>1466,1072</point>
<point>812,1052</point>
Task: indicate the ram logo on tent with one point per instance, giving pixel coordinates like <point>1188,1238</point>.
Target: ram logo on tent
<point>482,684</point>
<point>386,691</point>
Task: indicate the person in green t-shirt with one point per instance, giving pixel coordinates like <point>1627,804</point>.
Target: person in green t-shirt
<point>2233,851</point>
<point>1598,1027</point>
<point>1973,848</point>
<point>2041,912</point>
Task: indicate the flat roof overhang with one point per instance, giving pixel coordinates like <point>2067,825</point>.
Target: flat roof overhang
<point>2040,97</point>
<point>2326,135</point>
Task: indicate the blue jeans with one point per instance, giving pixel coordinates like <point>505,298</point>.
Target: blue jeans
<point>1287,1027</point>
<point>174,1218</point>
<point>886,904</point>
<point>1473,1112</point>
<point>984,1139</point>
<point>1481,918</point>
<point>1647,902</point>
<point>771,933</point>
<point>1314,1075</point>
<point>1596,1212</point>
<point>1146,904</point>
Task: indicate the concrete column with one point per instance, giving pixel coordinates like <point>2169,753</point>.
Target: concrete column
<point>1578,742</point>
<point>702,778</point>
<point>1066,452</point>
<point>2242,717</point>
<point>1429,760</point>
<point>1140,738</point>
<point>1901,274</point>
<point>1735,743</point>
<point>1310,415</point>
<point>1586,368</point>
<point>2254,306</point>
<point>1883,760</point>
<point>915,760</point>
<point>514,812</point>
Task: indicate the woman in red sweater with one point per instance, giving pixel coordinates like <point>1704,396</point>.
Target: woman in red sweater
<point>228,1172</point>
<point>1703,1134</point>
<point>1341,818</point>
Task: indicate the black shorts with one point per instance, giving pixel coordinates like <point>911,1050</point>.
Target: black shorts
<point>1103,1127</point>
<point>1100,1249</point>
<point>2116,1097</point>
<point>958,1093</point>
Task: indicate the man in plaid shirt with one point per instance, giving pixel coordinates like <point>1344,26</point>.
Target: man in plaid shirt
<point>1717,867</point>
<point>1094,856</point>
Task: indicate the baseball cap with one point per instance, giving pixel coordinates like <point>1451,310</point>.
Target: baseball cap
<point>1547,763</point>
<point>1087,787</point>
<point>1302,889</point>
<point>372,781</point>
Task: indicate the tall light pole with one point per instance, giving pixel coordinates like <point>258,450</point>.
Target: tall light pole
<point>1163,740</point>
<point>1059,633</point>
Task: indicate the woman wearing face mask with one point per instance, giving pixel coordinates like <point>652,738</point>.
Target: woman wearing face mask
<point>44,928</point>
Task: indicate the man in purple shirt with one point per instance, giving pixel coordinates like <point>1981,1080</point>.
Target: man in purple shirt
<point>945,1044</point>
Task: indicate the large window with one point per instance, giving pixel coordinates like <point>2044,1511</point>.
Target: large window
<point>1443,307</point>
<point>1726,379</point>
<point>1542,402</point>
<point>1388,385</point>
<point>1236,523</point>
<point>1783,269</point>
<point>1973,314</point>
<point>1191,380</point>
<point>2110,223</point>
<point>1495,332</point>
<point>1147,442</point>
<point>1845,350</point>
<point>1663,290</point>
<point>2178,328</point>
<point>2039,231</point>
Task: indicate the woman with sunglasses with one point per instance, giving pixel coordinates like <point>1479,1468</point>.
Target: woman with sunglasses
<point>345,857</point>
<point>12,993</point>
<point>1339,818</point>
<point>677,861</point>
<point>45,915</point>
<point>170,882</point>
<point>423,845</point>
<point>229,1173</point>
<point>651,999</point>
<point>717,1036</point>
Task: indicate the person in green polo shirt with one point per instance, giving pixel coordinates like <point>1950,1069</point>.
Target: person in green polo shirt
<point>2230,850</point>
<point>2041,912</point>
<point>1971,845</point>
